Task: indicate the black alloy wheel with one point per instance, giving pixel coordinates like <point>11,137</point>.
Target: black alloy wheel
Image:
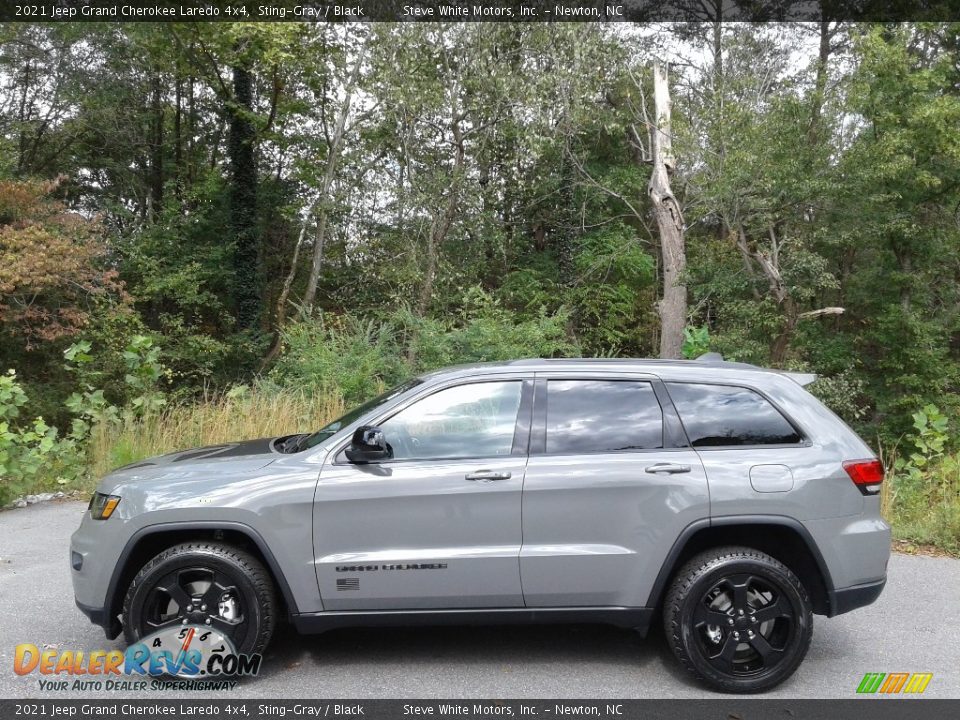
<point>207,584</point>
<point>738,619</point>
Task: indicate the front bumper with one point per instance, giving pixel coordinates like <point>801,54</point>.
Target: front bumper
<point>847,599</point>
<point>93,554</point>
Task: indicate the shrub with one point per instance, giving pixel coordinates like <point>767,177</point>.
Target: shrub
<point>33,455</point>
<point>923,501</point>
<point>484,331</point>
<point>342,356</point>
<point>354,359</point>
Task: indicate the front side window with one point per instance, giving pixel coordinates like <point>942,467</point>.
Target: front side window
<point>467,421</point>
<point>331,429</point>
<point>588,416</point>
<point>724,415</point>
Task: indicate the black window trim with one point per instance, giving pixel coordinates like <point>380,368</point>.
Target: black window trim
<point>803,442</point>
<point>674,436</point>
<point>521,431</point>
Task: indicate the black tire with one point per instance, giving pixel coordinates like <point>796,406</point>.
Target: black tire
<point>762,615</point>
<point>204,570</point>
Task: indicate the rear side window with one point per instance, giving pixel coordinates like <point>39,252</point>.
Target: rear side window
<point>723,415</point>
<point>586,416</point>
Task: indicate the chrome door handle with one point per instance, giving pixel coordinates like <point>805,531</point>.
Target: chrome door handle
<point>667,468</point>
<point>489,475</point>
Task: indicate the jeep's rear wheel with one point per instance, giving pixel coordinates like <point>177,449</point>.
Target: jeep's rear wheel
<point>209,584</point>
<point>738,619</point>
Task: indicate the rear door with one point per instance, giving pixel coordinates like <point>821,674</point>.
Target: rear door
<point>438,526</point>
<point>610,484</point>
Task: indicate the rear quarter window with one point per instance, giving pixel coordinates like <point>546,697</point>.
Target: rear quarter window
<point>728,415</point>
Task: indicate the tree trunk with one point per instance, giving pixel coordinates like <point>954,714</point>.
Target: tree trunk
<point>243,200</point>
<point>442,222</point>
<point>673,305</point>
<point>22,120</point>
<point>156,148</point>
<point>323,200</point>
<point>820,83</point>
<point>316,264</point>
<point>178,139</point>
<point>781,343</point>
<point>333,161</point>
<point>718,51</point>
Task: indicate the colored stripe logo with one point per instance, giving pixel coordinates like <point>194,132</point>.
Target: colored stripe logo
<point>894,683</point>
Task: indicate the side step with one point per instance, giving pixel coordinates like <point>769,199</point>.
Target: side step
<point>625,617</point>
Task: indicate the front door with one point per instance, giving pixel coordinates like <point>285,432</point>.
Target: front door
<point>438,525</point>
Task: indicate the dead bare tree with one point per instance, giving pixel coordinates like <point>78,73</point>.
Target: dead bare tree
<point>672,306</point>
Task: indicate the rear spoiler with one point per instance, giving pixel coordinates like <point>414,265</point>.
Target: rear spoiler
<point>801,379</point>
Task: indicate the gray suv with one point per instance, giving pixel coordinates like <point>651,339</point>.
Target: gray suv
<point>721,497</point>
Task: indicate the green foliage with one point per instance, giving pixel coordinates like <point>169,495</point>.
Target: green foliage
<point>346,356</point>
<point>613,276</point>
<point>144,371</point>
<point>484,331</point>
<point>141,392</point>
<point>924,503</point>
<point>696,341</point>
<point>469,193</point>
<point>842,393</point>
<point>33,455</point>
<point>178,272</point>
<point>353,358</point>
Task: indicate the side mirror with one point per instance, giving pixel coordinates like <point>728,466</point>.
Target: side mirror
<point>368,445</point>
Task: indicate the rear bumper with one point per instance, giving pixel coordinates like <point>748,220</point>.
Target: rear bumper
<point>851,598</point>
<point>98,616</point>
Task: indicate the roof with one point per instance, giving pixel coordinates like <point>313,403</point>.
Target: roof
<point>710,361</point>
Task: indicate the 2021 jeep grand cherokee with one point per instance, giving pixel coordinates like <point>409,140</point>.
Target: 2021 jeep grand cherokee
<point>721,496</point>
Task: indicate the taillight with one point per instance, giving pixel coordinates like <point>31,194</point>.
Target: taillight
<point>866,475</point>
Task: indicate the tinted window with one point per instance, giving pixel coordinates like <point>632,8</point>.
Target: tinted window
<point>723,415</point>
<point>602,416</point>
<point>476,420</point>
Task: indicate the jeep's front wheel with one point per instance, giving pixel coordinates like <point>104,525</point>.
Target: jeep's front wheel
<point>738,619</point>
<point>203,583</point>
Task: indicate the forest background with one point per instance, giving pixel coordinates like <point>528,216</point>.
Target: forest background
<point>217,231</point>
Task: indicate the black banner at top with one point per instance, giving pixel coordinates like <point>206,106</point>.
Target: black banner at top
<point>476,10</point>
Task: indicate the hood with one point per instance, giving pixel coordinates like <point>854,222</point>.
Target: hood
<point>253,454</point>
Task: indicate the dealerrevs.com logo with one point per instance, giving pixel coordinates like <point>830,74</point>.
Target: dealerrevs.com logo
<point>191,656</point>
<point>894,683</point>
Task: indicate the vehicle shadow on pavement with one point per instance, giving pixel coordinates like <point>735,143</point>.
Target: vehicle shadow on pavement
<point>408,650</point>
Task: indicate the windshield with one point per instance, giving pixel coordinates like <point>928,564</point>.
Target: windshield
<point>334,427</point>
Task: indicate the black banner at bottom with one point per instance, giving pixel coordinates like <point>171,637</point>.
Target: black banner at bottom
<point>733,708</point>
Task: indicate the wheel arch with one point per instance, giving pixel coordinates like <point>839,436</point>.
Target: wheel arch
<point>153,539</point>
<point>784,538</point>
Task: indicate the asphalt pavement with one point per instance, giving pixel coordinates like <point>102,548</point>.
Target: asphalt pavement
<point>913,627</point>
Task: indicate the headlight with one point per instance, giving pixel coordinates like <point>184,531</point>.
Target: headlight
<point>102,506</point>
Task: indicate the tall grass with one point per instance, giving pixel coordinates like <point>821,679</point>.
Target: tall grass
<point>216,420</point>
<point>923,508</point>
